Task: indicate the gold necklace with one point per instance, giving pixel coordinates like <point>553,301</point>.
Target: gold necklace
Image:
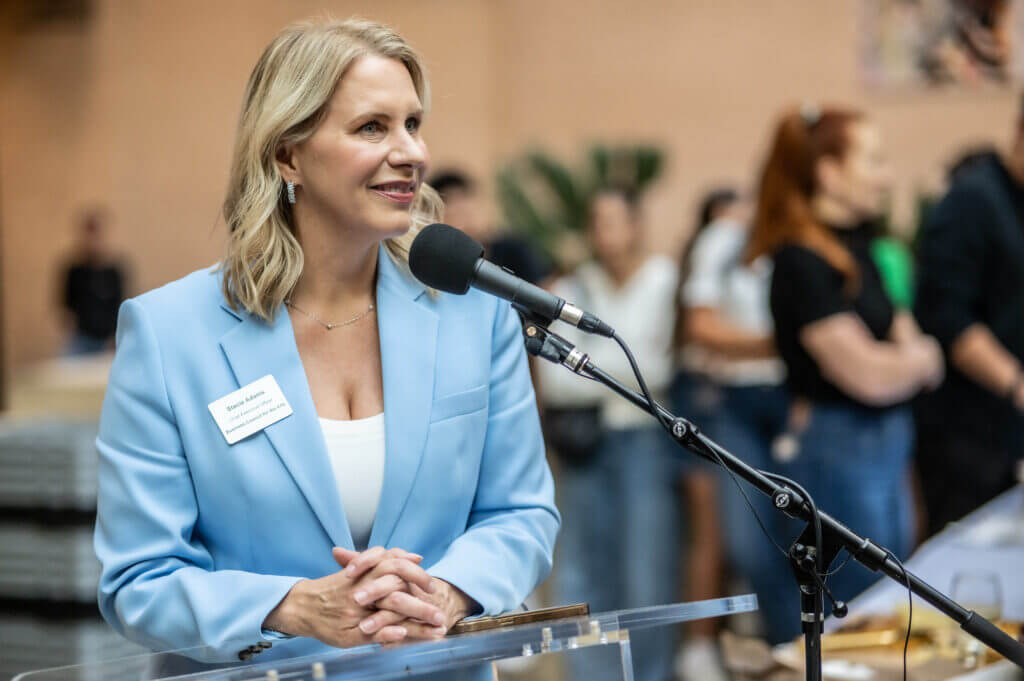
<point>328,325</point>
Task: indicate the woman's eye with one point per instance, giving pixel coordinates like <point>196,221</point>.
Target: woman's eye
<point>412,125</point>
<point>371,128</point>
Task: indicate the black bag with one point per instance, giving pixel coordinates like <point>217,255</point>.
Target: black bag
<point>573,432</point>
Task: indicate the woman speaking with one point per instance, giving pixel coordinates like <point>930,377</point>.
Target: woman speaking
<point>269,419</point>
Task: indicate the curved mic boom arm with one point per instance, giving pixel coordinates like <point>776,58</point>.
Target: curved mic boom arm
<point>542,342</point>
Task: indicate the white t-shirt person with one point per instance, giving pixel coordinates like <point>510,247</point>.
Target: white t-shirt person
<point>738,292</point>
<point>640,310</point>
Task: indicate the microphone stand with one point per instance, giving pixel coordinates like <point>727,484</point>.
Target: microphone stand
<point>807,566</point>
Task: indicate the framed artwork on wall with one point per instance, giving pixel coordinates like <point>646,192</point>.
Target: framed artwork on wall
<point>941,43</point>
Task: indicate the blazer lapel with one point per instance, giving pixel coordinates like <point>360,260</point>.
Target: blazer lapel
<point>408,343</point>
<point>255,349</point>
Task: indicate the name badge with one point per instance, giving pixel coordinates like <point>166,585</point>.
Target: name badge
<point>250,409</point>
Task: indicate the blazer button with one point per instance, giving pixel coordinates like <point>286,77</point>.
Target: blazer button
<point>245,655</point>
<point>265,644</point>
<point>255,650</point>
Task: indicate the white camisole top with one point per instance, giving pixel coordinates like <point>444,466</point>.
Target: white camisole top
<point>356,450</point>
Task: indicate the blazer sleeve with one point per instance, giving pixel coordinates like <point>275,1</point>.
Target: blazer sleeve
<point>159,585</point>
<point>507,548</point>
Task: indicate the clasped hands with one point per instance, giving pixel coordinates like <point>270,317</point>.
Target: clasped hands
<point>381,596</point>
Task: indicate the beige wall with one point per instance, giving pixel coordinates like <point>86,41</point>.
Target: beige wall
<point>136,110</point>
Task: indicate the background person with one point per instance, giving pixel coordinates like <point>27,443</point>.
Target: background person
<point>726,322</point>
<point>971,297</point>
<point>619,545</point>
<point>93,288</point>
<point>464,209</point>
<point>852,360</point>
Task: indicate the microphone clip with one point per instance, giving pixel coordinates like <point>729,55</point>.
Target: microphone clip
<point>528,316</point>
<point>543,343</point>
<point>804,557</point>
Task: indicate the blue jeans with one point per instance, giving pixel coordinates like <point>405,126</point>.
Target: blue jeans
<point>696,398</point>
<point>854,462</point>
<point>619,545</point>
<point>747,423</point>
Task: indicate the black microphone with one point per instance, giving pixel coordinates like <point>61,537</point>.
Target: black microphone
<point>446,259</point>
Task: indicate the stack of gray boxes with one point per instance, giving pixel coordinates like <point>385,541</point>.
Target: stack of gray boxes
<point>48,571</point>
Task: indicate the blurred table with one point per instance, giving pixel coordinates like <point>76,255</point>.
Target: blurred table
<point>989,541</point>
<point>68,386</point>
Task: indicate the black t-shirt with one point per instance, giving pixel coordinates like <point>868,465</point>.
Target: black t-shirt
<point>971,271</point>
<point>93,294</point>
<point>805,289</point>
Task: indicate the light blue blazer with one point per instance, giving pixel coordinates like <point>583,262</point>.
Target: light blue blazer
<point>199,540</point>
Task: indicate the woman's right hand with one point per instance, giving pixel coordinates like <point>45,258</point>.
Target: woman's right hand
<point>928,353</point>
<point>922,349</point>
<point>330,608</point>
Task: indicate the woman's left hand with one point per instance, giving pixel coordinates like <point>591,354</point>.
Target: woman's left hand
<point>448,598</point>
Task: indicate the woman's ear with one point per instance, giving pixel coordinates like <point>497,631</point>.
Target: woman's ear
<point>287,164</point>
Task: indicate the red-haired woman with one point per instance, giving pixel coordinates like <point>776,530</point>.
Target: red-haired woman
<point>852,360</point>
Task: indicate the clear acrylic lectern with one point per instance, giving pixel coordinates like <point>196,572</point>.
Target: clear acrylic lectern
<point>462,656</point>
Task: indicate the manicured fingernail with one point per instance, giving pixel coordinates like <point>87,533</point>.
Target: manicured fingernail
<point>360,597</point>
<point>438,619</point>
<point>402,631</point>
<point>350,570</point>
<point>366,626</point>
<point>440,631</point>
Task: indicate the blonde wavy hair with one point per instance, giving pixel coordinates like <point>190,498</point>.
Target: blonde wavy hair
<point>285,101</point>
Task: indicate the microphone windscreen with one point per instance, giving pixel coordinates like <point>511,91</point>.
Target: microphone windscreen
<point>443,258</point>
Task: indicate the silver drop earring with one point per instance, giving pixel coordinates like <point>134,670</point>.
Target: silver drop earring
<point>290,187</point>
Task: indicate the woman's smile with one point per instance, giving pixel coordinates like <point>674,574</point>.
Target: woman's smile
<point>397,192</point>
